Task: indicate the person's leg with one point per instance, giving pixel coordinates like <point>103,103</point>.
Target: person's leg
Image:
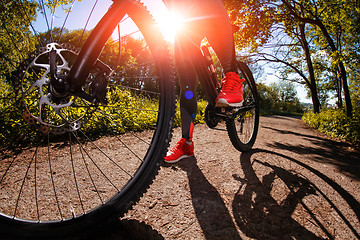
<point>209,18</point>
<point>186,49</point>
<point>219,33</point>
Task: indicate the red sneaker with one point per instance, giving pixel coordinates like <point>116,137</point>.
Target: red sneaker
<point>231,93</point>
<point>180,151</point>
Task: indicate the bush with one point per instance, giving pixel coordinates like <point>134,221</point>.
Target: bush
<point>336,123</point>
<point>14,130</point>
<point>126,105</point>
<point>201,105</point>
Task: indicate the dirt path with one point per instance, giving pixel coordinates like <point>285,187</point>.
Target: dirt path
<point>295,184</point>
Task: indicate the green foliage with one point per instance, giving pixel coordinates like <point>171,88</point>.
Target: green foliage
<point>336,123</point>
<point>16,40</point>
<point>279,98</point>
<point>75,38</point>
<point>354,79</point>
<point>330,40</point>
<point>13,129</point>
<point>255,19</point>
<point>124,112</point>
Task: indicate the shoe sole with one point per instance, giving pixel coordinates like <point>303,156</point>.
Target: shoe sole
<point>223,103</point>
<point>180,158</point>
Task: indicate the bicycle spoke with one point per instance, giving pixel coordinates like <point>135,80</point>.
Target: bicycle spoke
<point>65,20</point>
<point>87,22</point>
<point>46,19</point>
<point>52,178</point>
<point>146,126</point>
<point>106,156</point>
<point>14,44</point>
<point>35,185</point>
<point>81,148</point>
<point>23,182</point>
<point>74,175</point>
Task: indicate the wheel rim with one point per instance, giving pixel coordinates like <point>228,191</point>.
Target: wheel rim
<point>244,123</point>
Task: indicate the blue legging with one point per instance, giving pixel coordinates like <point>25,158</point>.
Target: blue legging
<point>205,18</point>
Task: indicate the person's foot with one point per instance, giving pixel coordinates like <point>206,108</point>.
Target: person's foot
<point>183,149</point>
<point>231,93</point>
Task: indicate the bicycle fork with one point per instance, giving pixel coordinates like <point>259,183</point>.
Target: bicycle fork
<point>89,54</point>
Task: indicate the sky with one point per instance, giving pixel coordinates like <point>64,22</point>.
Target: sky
<point>81,9</point>
<point>80,12</point>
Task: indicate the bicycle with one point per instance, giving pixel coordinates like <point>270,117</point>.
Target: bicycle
<point>241,123</point>
<point>97,134</point>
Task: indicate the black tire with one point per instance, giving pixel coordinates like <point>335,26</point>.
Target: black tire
<point>242,129</point>
<point>99,160</point>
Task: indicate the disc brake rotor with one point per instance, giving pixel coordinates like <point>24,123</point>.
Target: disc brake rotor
<point>43,108</point>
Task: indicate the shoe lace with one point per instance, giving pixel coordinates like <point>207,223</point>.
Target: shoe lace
<point>230,84</point>
<point>179,146</point>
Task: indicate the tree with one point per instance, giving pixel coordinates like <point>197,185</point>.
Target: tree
<point>330,25</point>
<point>328,28</point>
<point>279,97</point>
<point>75,38</point>
<point>268,98</point>
<point>288,100</point>
<point>16,40</point>
<point>289,36</point>
<point>18,37</point>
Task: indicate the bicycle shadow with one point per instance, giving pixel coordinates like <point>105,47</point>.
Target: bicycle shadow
<point>211,212</point>
<point>325,151</point>
<point>259,215</point>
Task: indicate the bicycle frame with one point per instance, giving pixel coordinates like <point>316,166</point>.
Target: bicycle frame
<point>210,82</point>
<point>207,75</point>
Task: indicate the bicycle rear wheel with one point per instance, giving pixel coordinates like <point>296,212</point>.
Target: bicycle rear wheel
<point>74,163</point>
<point>242,128</point>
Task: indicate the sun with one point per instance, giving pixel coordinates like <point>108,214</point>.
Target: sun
<point>170,23</point>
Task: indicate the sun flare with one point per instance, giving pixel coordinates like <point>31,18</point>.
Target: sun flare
<point>170,23</point>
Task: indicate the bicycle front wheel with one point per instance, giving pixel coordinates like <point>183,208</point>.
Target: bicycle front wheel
<point>67,163</point>
<point>243,127</point>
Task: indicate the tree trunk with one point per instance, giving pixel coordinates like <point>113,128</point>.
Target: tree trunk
<point>346,89</point>
<point>339,89</point>
<point>312,85</point>
<point>341,68</point>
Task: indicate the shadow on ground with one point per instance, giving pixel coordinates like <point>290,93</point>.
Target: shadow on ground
<point>115,229</point>
<point>262,217</point>
<point>210,209</point>
<point>123,230</point>
<point>324,151</point>
<point>256,213</point>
